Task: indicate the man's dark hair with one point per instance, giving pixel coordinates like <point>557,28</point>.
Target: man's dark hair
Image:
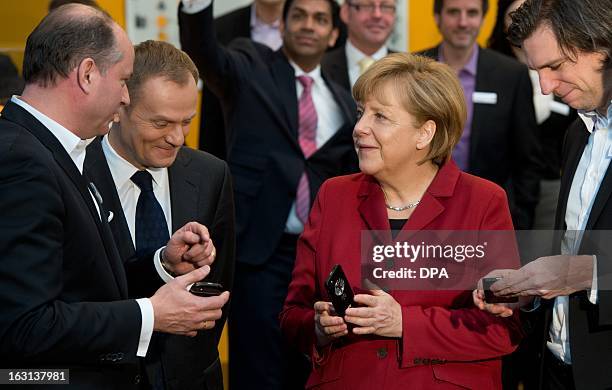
<point>438,4</point>
<point>578,26</point>
<point>333,5</point>
<point>58,3</point>
<point>64,38</point>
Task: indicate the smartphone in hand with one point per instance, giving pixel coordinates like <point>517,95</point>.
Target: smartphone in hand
<point>492,298</point>
<point>206,289</point>
<point>339,290</point>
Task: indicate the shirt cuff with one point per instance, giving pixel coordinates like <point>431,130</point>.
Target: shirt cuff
<point>592,292</point>
<point>194,6</point>
<point>146,330</point>
<point>535,305</point>
<point>161,271</point>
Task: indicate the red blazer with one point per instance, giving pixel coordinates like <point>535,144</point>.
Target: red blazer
<point>447,341</point>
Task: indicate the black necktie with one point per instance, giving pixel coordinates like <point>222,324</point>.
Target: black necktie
<point>151,226</point>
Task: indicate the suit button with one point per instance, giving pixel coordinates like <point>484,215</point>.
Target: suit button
<point>416,361</point>
<point>137,379</point>
<point>381,353</point>
<point>426,361</point>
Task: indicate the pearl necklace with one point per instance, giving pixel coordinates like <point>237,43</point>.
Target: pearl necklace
<point>400,208</point>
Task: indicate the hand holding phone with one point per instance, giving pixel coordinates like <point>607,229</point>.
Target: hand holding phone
<point>492,298</point>
<point>339,290</point>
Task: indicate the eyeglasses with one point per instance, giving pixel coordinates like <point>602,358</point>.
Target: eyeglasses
<point>385,8</point>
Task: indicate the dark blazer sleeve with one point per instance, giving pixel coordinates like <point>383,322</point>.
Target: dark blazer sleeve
<point>236,24</point>
<point>40,320</point>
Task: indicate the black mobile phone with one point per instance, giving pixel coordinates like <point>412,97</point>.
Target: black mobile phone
<point>339,290</point>
<point>206,289</point>
<point>492,298</point>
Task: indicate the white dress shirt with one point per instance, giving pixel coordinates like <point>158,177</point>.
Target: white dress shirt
<point>354,56</point>
<point>585,185</point>
<point>329,121</point>
<point>75,147</point>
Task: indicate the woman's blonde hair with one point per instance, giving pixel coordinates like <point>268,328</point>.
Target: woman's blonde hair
<point>427,89</point>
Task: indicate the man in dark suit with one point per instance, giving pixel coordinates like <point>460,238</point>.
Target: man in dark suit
<point>258,21</point>
<point>191,186</point>
<point>369,26</point>
<point>64,288</point>
<point>290,129</point>
<point>499,140</point>
<point>567,42</point>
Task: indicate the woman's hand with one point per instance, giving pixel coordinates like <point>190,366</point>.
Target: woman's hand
<point>382,315</point>
<point>328,326</point>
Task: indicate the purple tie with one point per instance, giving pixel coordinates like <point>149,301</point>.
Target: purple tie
<point>307,138</point>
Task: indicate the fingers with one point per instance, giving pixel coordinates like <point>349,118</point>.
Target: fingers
<point>194,276</point>
<point>364,330</point>
<point>321,306</point>
<point>365,299</point>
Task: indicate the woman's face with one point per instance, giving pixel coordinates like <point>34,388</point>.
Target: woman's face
<point>386,137</point>
<point>518,52</point>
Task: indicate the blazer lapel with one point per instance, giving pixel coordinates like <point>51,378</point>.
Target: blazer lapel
<point>577,143</point>
<point>284,77</point>
<point>184,191</point>
<point>442,186</point>
<point>97,168</point>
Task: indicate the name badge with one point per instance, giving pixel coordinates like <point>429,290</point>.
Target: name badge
<point>559,108</point>
<point>484,97</point>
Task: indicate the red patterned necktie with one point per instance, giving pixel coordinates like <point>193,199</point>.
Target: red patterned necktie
<point>307,138</point>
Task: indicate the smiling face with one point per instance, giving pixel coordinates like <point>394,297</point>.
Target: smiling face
<point>154,127</point>
<point>579,81</point>
<point>459,22</point>
<point>308,31</point>
<point>368,30</point>
<point>387,138</point>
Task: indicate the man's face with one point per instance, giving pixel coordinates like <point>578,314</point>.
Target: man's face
<point>308,29</point>
<point>111,92</point>
<point>578,82</point>
<point>154,127</point>
<point>369,22</point>
<point>459,22</point>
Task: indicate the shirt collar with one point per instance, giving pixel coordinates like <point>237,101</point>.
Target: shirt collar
<point>74,146</point>
<point>591,118</point>
<point>122,170</point>
<point>471,66</point>
<point>256,22</point>
<point>315,73</point>
<point>354,55</point>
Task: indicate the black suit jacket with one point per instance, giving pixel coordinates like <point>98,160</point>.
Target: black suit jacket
<point>257,87</point>
<point>236,24</point>
<point>200,190</point>
<point>64,289</point>
<point>335,64</point>
<point>590,326</point>
<point>504,146</point>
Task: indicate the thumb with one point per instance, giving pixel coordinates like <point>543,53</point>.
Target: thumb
<point>194,276</point>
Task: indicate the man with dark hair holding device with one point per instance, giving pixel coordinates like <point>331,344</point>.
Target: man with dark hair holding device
<point>187,185</point>
<point>568,43</point>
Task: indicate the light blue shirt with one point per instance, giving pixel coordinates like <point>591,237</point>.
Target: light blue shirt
<point>585,185</point>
